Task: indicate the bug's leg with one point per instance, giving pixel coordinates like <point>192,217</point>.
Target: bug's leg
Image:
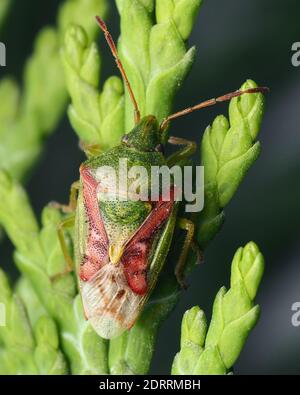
<point>73,196</point>
<point>189,242</point>
<point>90,149</point>
<point>65,224</point>
<point>188,150</point>
<point>71,207</point>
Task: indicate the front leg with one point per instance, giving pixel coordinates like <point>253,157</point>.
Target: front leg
<point>189,242</point>
<point>189,149</point>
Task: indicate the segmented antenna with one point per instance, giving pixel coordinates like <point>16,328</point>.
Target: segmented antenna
<point>113,48</point>
<point>212,102</point>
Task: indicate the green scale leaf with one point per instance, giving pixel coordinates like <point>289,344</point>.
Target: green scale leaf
<point>228,150</point>
<point>32,113</point>
<point>27,347</point>
<point>234,316</point>
<point>39,258</point>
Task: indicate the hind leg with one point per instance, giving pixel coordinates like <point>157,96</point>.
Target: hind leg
<point>189,242</point>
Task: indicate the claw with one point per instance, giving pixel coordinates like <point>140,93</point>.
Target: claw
<point>181,281</point>
<point>63,207</point>
<point>199,253</point>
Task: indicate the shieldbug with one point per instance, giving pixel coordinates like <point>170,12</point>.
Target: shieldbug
<point>122,245</point>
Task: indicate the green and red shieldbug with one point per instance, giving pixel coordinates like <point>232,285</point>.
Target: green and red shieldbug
<point>121,246</point>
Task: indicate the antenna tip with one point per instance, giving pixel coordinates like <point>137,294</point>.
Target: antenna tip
<point>265,89</point>
<point>101,23</point>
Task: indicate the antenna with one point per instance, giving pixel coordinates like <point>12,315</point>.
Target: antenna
<point>113,48</point>
<point>212,102</point>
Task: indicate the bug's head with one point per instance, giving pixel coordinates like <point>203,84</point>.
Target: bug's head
<point>145,136</point>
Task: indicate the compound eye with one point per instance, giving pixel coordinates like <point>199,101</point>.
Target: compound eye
<point>125,139</point>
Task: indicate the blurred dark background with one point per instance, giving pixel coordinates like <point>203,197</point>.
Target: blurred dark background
<point>236,40</point>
